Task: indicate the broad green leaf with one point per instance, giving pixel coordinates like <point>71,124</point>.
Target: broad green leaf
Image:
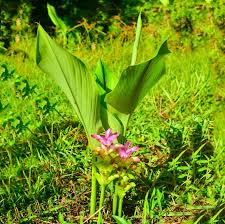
<point>71,74</point>
<point>104,77</point>
<point>137,40</point>
<point>106,81</point>
<point>55,18</point>
<point>120,220</point>
<point>136,81</point>
<point>110,120</point>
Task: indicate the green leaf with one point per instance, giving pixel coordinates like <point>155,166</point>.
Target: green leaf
<point>61,218</point>
<point>106,81</point>
<point>55,18</point>
<point>136,81</point>
<point>145,209</point>
<point>137,40</point>
<point>104,77</point>
<point>120,220</point>
<point>71,74</point>
<point>110,120</point>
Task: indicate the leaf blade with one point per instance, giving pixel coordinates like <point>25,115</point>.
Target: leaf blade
<point>71,74</point>
<point>104,78</point>
<point>56,20</point>
<point>135,82</point>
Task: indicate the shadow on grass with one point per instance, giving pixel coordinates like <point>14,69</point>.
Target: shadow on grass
<point>43,168</point>
<point>181,155</point>
<point>178,172</point>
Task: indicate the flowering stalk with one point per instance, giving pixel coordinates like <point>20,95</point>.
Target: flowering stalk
<point>101,203</point>
<point>115,201</point>
<point>93,188</point>
<point>120,206</point>
<point>121,188</point>
<point>121,192</point>
<point>112,162</point>
<point>105,141</point>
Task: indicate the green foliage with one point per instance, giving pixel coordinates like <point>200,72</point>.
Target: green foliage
<point>165,2</point>
<point>14,22</point>
<point>5,72</point>
<point>180,128</point>
<point>23,88</point>
<point>137,40</point>
<point>219,14</point>
<point>120,220</point>
<point>153,207</point>
<point>58,22</point>
<point>181,19</point>
<point>105,79</point>
<point>71,74</point>
<point>55,19</point>
<point>92,19</point>
<point>136,81</point>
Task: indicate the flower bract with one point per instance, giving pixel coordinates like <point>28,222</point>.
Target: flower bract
<point>107,139</point>
<point>125,152</point>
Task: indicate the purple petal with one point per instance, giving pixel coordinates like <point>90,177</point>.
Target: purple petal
<point>97,137</point>
<point>106,140</point>
<point>108,133</point>
<point>127,145</point>
<point>123,154</point>
<point>133,149</point>
<point>113,137</point>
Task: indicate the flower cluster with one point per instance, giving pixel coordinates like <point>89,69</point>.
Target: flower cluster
<point>123,151</point>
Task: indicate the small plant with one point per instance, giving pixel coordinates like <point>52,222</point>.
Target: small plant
<point>15,123</point>
<point>153,206</point>
<point>102,103</point>
<point>2,107</point>
<point>43,104</point>
<point>58,22</point>
<point>23,88</point>
<point>6,73</point>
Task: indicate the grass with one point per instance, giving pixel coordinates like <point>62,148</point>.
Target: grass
<point>45,171</point>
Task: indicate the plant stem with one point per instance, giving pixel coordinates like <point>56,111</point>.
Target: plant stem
<point>101,203</point>
<point>64,39</point>
<point>137,40</point>
<point>115,201</point>
<point>93,188</point>
<point>120,206</point>
<point>81,218</point>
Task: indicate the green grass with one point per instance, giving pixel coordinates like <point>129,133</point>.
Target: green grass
<point>45,166</point>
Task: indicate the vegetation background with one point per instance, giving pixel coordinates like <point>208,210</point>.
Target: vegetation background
<point>45,167</point>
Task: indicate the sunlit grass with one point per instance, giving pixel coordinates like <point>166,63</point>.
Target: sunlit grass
<point>45,167</point>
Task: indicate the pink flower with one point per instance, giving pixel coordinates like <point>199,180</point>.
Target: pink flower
<point>125,152</point>
<point>106,140</point>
